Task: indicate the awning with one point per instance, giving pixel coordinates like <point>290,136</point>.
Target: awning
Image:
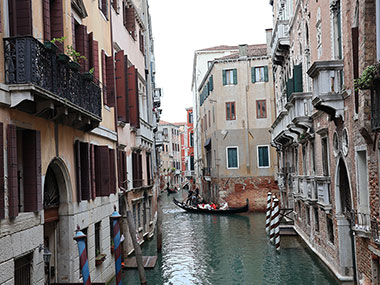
<point>208,143</point>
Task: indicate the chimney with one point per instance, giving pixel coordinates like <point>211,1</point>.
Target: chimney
<point>243,49</point>
<point>268,33</point>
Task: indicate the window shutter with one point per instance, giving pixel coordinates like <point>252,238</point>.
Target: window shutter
<point>140,173</point>
<point>81,46</point>
<point>130,21</point>
<point>289,87</point>
<point>94,54</point>
<point>85,171</point>
<point>124,165</point>
<point>2,190</point>
<point>112,171</point>
<point>105,8</point>
<point>103,55</point>
<point>235,75</point>
<point>46,19</point>
<point>102,169</point>
<point>78,171</point>
<point>110,80</point>
<point>119,168</point>
<point>133,97</point>
<point>253,74</point>
<point>12,171</point>
<point>224,77</point>
<point>56,21</point>
<point>114,5</point>
<point>355,61</point>
<point>266,78</point>
<point>100,4</point>
<point>121,86</point>
<point>135,169</point>
<point>297,76</point>
<point>20,17</point>
<point>211,83</point>
<point>93,180</point>
<point>32,170</point>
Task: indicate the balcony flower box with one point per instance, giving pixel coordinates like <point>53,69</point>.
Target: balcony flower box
<point>51,46</point>
<point>75,66</point>
<point>99,259</point>
<point>63,58</point>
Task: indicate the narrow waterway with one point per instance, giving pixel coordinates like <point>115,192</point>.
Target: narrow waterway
<point>207,249</point>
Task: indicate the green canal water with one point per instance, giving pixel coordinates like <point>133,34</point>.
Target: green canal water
<point>228,250</point>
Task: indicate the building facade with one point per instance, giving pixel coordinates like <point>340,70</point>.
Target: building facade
<point>236,112</point>
<point>325,130</point>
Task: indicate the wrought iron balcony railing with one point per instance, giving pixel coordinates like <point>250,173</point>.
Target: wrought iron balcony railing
<point>361,223</point>
<point>27,61</point>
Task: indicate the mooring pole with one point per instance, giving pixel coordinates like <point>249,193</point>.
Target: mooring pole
<point>138,253</point>
<point>271,232</point>
<point>276,224</point>
<point>80,238</point>
<point>159,224</point>
<point>115,217</point>
<point>267,220</point>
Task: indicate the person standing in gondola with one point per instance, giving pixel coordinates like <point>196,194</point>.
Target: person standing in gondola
<point>189,197</point>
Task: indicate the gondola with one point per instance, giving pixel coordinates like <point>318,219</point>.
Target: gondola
<point>171,191</point>
<point>193,209</point>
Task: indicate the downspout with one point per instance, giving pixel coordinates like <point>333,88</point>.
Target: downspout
<point>243,54</point>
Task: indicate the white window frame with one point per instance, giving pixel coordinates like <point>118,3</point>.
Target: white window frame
<point>258,159</point>
<point>259,74</point>
<point>229,76</point>
<point>237,154</point>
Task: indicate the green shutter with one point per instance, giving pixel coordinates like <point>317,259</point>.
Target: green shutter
<point>297,75</point>
<point>211,83</point>
<point>224,78</point>
<point>253,74</point>
<point>289,87</point>
<point>266,74</point>
<point>235,75</point>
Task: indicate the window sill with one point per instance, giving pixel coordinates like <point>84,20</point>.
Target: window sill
<point>99,259</point>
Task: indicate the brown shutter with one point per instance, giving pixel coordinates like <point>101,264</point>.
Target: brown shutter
<point>12,171</point>
<point>134,169</point>
<point>73,31</point>
<point>105,8</point>
<point>20,17</point>
<point>31,149</point>
<point>124,165</point>
<point>46,16</point>
<point>355,62</point>
<point>85,171</point>
<point>102,169</point>
<point>81,46</point>
<point>110,79</point>
<point>130,20</point>
<point>104,81</point>
<point>2,190</point>
<point>93,181</point>
<point>119,168</point>
<point>133,97</point>
<point>78,171</point>
<point>114,5</point>
<point>112,171</point>
<point>121,86</point>
<point>140,173</point>
<point>56,22</point>
<point>94,55</point>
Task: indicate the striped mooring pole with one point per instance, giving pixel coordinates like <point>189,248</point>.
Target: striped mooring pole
<point>267,220</point>
<point>116,241</point>
<point>80,238</point>
<point>271,231</point>
<point>276,224</point>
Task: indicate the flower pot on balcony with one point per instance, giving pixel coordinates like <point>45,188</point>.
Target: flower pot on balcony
<point>63,58</point>
<point>75,66</point>
<point>50,46</point>
<point>88,76</point>
<point>99,259</point>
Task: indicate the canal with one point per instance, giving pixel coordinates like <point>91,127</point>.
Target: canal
<point>207,249</point>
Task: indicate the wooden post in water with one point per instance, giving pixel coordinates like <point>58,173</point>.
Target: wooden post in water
<point>276,224</point>
<point>271,232</point>
<point>267,220</point>
<point>139,260</point>
<point>159,223</point>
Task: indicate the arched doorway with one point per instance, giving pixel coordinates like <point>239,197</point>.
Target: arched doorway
<point>343,219</point>
<point>56,196</point>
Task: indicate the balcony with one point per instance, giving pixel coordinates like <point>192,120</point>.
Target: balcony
<point>361,224</point>
<point>328,87</point>
<point>280,133</point>
<point>299,109</point>
<point>375,229</point>
<point>40,85</point>
<point>323,190</point>
<point>157,97</point>
<point>280,41</point>
<point>144,135</point>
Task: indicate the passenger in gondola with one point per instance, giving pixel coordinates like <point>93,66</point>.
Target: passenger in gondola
<point>189,197</point>
<point>213,206</point>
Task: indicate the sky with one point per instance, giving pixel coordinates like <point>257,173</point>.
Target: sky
<point>180,27</point>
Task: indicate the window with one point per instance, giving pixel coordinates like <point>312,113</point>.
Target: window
<point>316,219</point>
<point>259,74</point>
<point>191,139</point>
<point>325,157</point>
<point>138,215</point>
<point>103,6</point>
<point>209,118</point>
<point>134,214</point>
<point>263,156</point>
<point>97,239</point>
<point>330,229</point>
<point>307,208</point>
<point>129,20</point>
<point>304,161</point>
<point>232,157</point>
<point>230,111</point>
<point>190,118</point>
<point>192,163</point>
<point>23,266</point>
<point>261,109</point>
<point>362,177</point>
<point>230,77</point>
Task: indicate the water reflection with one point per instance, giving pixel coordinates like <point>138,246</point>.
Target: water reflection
<point>207,249</point>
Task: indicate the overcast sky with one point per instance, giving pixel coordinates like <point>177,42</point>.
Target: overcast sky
<point>181,26</point>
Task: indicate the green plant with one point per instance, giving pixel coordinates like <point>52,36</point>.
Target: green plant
<point>75,55</point>
<point>59,40</point>
<point>367,78</point>
<point>91,71</point>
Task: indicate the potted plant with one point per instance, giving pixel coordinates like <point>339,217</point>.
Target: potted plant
<point>99,258</point>
<point>88,76</point>
<point>50,45</point>
<point>75,58</point>
<point>369,79</point>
